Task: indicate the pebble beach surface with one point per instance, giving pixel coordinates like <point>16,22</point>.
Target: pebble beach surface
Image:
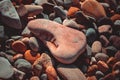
<point>59,40</point>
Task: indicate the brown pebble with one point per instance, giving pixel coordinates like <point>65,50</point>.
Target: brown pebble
<point>109,76</point>
<point>111,61</point>
<point>116,66</point>
<point>92,69</point>
<point>102,66</point>
<point>19,46</point>
<point>115,17</point>
<point>91,78</point>
<point>96,47</point>
<point>105,29</point>
<point>117,55</point>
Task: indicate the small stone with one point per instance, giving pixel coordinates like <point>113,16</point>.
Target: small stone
<point>111,61</point>
<point>117,55</point>
<point>37,69</point>
<point>105,29</point>
<point>104,41</point>
<point>102,66</point>
<point>23,65</point>
<point>92,69</point>
<point>25,40</point>
<point>31,56</point>
<point>19,46</point>
<point>91,78</point>
<point>51,73</point>
<point>109,76</point>
<point>40,2</point>
<point>93,60</point>
<point>17,56</point>
<point>9,15</point>
<point>91,35</point>
<point>99,74</point>
<point>93,8</point>
<point>102,57</point>
<point>60,12</point>
<point>33,43</point>
<point>34,78</point>
<point>26,32</point>
<point>58,19</point>
<point>2,33</point>
<point>115,17</point>
<point>44,77</point>
<point>55,38</point>
<point>71,11</point>
<point>65,71</point>
<point>6,69</point>
<point>115,41</point>
<point>116,66</point>
<point>116,27</point>
<point>96,47</point>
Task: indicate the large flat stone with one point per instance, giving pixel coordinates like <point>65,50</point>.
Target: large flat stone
<point>65,44</point>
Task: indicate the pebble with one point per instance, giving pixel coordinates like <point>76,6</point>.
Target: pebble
<point>19,46</point>
<point>65,72</point>
<point>96,47</point>
<point>9,17</point>
<point>117,55</point>
<point>33,43</point>
<point>60,40</point>
<point>102,57</point>
<point>93,8</point>
<point>97,20</point>
<point>6,70</point>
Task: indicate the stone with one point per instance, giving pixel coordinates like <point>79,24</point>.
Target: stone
<point>65,49</point>
<point>91,78</point>
<point>111,61</point>
<point>102,57</point>
<point>9,15</point>
<point>2,33</point>
<point>99,74</point>
<point>31,56</point>
<point>105,29</point>
<point>65,71</point>
<point>104,41</point>
<point>19,46</point>
<point>116,66</point>
<point>6,69</point>
<point>96,47</point>
<point>43,77</point>
<point>26,32</point>
<point>93,8</point>
<point>40,2</point>
<point>102,66</point>
<point>117,55</point>
<point>111,50</point>
<point>115,17</point>
<point>34,78</point>
<point>33,44</point>
<point>92,69</point>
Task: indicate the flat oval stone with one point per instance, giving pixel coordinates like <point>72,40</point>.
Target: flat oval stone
<point>117,55</point>
<point>61,40</point>
<point>70,72</point>
<point>105,29</point>
<point>6,70</point>
<point>102,57</point>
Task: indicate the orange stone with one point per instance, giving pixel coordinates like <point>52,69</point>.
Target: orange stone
<point>31,56</point>
<point>19,46</point>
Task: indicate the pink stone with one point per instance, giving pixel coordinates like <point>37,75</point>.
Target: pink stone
<point>64,43</point>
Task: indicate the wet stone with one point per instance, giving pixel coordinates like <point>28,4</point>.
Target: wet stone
<point>102,57</point>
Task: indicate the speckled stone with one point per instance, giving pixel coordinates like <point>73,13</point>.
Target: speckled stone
<point>66,71</point>
<point>57,42</point>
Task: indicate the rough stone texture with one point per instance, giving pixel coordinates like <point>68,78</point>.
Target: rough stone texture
<point>65,44</point>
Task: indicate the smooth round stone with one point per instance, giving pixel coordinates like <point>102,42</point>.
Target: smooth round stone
<point>66,71</point>
<point>117,55</point>
<point>40,2</point>
<point>96,47</point>
<point>6,70</point>
<point>93,8</point>
<point>93,60</point>
<point>9,17</point>
<point>19,46</point>
<point>91,35</point>
<point>55,36</point>
<point>25,40</point>
<point>102,57</point>
<point>23,65</point>
<point>116,27</point>
<point>33,43</point>
<point>115,40</point>
<point>105,29</point>
<point>115,17</point>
